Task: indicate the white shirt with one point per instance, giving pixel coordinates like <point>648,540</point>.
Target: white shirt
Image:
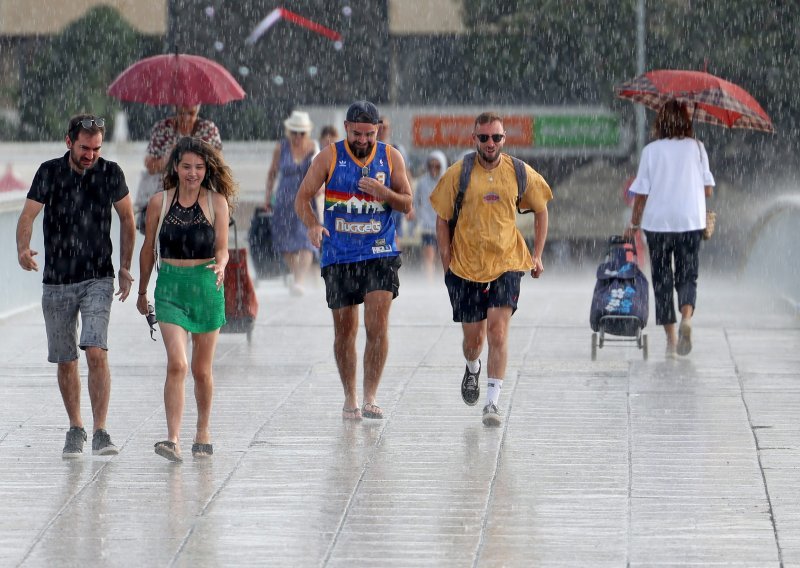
<point>673,173</point>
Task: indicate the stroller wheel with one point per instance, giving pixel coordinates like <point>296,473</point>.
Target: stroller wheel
<point>594,347</point>
<point>644,346</point>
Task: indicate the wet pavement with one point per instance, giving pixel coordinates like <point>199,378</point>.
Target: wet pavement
<point>615,462</point>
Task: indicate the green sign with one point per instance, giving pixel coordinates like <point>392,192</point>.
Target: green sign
<point>570,131</point>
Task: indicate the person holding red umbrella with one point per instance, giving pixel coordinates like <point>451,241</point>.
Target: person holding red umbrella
<point>671,187</point>
<point>163,137</point>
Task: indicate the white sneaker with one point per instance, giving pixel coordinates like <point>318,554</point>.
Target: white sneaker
<point>491,415</point>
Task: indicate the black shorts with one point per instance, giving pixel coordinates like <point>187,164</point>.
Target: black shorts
<point>471,300</point>
<point>347,284</point>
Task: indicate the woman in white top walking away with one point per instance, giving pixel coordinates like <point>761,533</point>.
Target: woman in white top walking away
<point>671,187</point>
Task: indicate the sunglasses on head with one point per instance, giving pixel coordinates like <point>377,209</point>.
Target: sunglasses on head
<point>496,138</point>
<point>87,122</point>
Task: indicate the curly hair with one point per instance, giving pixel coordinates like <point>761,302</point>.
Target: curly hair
<point>218,177</point>
<point>673,121</point>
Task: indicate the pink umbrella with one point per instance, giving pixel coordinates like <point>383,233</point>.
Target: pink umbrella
<point>710,98</point>
<point>176,79</point>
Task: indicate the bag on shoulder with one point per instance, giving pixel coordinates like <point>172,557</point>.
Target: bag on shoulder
<point>711,222</point>
<point>463,181</point>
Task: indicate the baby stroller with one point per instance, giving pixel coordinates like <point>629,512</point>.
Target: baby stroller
<point>620,303</point>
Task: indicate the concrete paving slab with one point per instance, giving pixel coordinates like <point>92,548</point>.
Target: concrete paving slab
<point>614,462</point>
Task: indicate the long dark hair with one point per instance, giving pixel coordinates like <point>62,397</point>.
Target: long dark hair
<point>673,121</point>
<point>218,175</point>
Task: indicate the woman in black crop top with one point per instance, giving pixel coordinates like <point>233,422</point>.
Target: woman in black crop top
<point>188,222</point>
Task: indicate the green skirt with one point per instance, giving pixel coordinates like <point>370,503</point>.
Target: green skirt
<point>187,296</point>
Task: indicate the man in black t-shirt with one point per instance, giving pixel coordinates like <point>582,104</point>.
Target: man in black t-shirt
<point>77,193</point>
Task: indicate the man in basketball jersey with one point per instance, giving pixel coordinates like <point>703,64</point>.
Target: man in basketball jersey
<point>365,181</point>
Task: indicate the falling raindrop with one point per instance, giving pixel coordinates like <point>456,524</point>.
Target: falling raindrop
<point>209,11</point>
<point>218,45</point>
<point>347,11</point>
<point>337,46</point>
<point>278,80</point>
<point>312,70</point>
<point>244,71</point>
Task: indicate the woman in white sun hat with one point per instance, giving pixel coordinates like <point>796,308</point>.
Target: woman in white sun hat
<point>291,159</point>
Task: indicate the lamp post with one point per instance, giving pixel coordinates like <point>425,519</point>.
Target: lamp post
<point>640,68</point>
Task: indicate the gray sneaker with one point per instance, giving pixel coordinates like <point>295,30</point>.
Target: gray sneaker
<point>73,448</point>
<point>102,444</point>
<point>491,415</point>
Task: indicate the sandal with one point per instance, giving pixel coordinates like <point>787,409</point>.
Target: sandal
<point>202,450</point>
<point>169,450</point>
<point>351,413</point>
<point>370,410</point>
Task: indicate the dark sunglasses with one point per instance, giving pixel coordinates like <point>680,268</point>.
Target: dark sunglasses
<point>87,122</point>
<point>484,138</point>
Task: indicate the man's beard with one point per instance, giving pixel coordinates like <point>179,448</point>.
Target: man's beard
<point>78,164</point>
<point>486,158</point>
<point>362,152</point>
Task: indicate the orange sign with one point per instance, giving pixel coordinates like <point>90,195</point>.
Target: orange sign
<point>447,131</point>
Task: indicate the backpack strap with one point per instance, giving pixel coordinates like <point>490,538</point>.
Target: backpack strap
<point>210,206</point>
<point>158,230</point>
<point>522,182</point>
<point>463,181</point>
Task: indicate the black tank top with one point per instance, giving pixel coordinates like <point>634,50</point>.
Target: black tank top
<point>186,233</point>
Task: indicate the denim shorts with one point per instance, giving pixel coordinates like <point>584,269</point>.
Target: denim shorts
<point>63,303</point>
<point>471,300</point>
<point>347,284</point>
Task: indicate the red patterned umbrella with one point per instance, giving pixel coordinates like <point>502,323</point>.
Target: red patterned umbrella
<point>176,79</point>
<point>711,99</point>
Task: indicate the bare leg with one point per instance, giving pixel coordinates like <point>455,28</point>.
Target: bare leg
<point>497,324</point>
<point>376,322</point>
<point>672,336</point>
<point>428,261</point>
<point>203,347</point>
<point>302,265</point>
<point>175,340</point>
<point>99,385</point>
<point>474,335</point>
<point>69,383</point>
<point>345,326</point>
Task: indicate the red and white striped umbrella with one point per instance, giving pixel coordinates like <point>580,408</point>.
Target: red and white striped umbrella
<point>711,99</point>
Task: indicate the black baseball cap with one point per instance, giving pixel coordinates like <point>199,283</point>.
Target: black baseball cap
<point>363,111</point>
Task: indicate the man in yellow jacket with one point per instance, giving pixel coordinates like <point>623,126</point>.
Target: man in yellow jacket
<point>483,254</point>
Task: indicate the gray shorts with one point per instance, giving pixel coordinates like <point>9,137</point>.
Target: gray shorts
<point>61,304</point>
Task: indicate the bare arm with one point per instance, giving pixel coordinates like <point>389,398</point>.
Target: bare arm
<point>636,215</point>
<point>399,196</point>
<point>541,220</point>
<point>315,178</point>
<point>272,174</point>
<point>25,255</point>
<point>709,191</point>
<point>155,165</point>
<point>221,221</point>
<point>443,240</point>
<point>127,238</point>
<point>146,254</point>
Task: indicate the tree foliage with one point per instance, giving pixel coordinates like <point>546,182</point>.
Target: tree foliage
<point>70,72</point>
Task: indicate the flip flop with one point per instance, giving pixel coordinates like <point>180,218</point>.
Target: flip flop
<point>373,411</point>
<point>351,413</point>
<point>202,450</point>
<point>169,450</point>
